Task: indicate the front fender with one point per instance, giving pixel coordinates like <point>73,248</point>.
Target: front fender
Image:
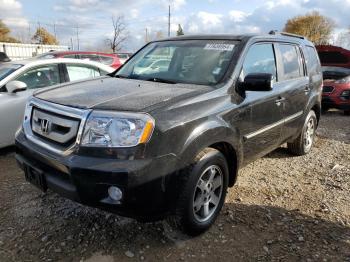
<point>207,134</point>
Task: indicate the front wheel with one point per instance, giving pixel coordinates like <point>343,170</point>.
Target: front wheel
<point>303,143</point>
<point>347,112</point>
<point>203,192</point>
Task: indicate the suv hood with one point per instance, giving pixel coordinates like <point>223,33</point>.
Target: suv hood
<point>109,93</point>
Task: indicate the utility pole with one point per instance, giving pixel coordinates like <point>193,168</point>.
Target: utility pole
<point>169,23</point>
<point>146,38</point>
<point>54,30</point>
<point>71,43</point>
<point>39,31</point>
<point>78,37</point>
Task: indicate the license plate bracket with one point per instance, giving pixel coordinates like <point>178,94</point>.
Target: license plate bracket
<point>36,177</point>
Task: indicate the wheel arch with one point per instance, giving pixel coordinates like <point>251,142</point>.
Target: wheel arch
<point>222,138</point>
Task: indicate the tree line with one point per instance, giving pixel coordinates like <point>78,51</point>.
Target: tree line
<point>41,36</point>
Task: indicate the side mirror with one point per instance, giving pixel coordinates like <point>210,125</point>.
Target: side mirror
<point>16,86</point>
<point>258,82</point>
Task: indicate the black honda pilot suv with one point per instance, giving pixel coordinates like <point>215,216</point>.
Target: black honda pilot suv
<point>165,135</point>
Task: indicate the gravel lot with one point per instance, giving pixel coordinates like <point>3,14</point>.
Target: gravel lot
<point>283,208</point>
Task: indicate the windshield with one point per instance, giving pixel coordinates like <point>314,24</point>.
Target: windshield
<point>8,69</point>
<point>202,62</point>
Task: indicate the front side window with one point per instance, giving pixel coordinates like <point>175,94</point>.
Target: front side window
<point>202,62</point>
<point>41,76</point>
<point>259,59</point>
<point>80,72</point>
<point>290,61</point>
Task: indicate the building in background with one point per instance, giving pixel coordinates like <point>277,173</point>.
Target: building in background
<point>17,51</point>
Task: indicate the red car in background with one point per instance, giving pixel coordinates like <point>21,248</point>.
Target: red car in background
<point>111,60</point>
<point>335,63</point>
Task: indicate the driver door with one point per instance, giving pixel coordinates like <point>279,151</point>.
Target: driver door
<point>266,117</point>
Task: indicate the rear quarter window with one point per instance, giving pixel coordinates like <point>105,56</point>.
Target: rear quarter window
<point>312,60</point>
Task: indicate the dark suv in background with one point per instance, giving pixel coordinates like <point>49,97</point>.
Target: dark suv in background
<point>169,141</point>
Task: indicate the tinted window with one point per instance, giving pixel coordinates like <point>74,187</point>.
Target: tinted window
<point>80,72</point>
<point>290,60</point>
<point>42,76</point>
<point>260,59</point>
<point>312,61</point>
<point>107,60</point>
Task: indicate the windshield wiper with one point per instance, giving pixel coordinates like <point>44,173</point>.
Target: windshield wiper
<point>160,80</point>
<point>121,76</point>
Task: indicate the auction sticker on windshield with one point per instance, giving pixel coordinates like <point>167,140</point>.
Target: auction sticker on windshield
<point>219,47</point>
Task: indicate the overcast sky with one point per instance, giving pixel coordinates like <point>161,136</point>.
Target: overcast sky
<point>93,17</point>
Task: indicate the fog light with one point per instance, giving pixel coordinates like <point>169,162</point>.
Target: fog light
<point>115,193</point>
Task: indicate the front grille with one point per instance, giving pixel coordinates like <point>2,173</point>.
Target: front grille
<point>53,127</point>
<point>328,89</point>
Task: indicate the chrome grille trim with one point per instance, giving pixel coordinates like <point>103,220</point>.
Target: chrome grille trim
<point>79,114</point>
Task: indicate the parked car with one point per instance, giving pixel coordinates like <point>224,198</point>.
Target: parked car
<point>123,57</point>
<point>4,57</point>
<point>19,79</point>
<point>336,74</point>
<point>170,143</point>
<point>111,60</point>
<point>156,66</point>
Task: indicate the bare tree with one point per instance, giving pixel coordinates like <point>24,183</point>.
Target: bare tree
<point>119,34</point>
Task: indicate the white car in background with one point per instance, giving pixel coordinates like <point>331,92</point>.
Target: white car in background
<point>19,79</point>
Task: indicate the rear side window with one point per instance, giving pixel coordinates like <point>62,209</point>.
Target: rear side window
<point>290,61</point>
<point>312,61</point>
<point>80,72</point>
<point>107,60</point>
<point>260,59</point>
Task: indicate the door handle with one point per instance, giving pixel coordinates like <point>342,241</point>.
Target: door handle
<point>280,100</point>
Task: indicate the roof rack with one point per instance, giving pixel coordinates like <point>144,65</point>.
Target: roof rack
<point>275,32</point>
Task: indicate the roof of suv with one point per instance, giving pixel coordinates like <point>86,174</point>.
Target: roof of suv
<point>273,36</point>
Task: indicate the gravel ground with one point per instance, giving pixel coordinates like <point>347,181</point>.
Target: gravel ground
<point>283,208</point>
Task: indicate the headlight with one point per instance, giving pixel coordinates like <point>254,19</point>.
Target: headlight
<point>113,129</point>
<point>345,95</point>
<point>344,80</point>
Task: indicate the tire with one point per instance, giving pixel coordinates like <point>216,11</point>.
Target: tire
<point>347,112</point>
<point>200,198</point>
<point>303,143</point>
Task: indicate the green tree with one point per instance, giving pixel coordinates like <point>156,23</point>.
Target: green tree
<point>42,36</point>
<point>5,34</point>
<point>314,26</point>
<point>180,31</point>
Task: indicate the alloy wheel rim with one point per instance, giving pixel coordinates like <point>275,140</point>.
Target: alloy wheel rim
<point>309,134</point>
<point>207,193</point>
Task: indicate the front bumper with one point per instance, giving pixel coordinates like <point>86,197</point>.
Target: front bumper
<point>85,179</point>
